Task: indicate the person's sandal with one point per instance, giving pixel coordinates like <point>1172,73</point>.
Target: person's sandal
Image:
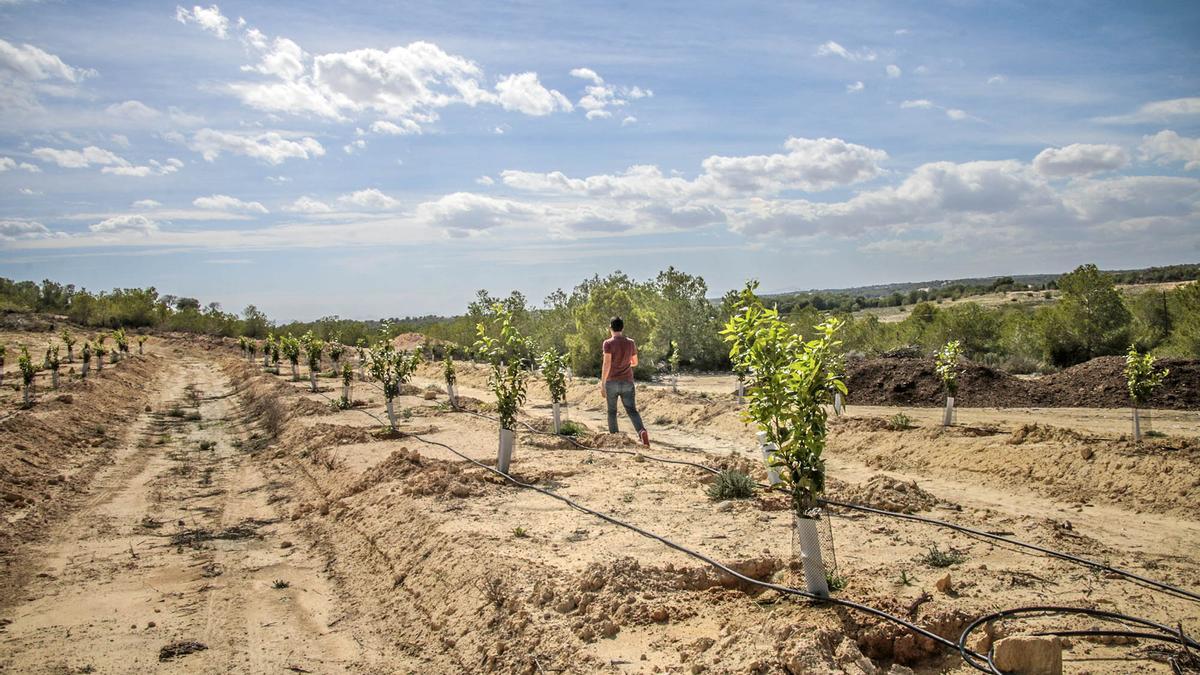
<point>645,436</point>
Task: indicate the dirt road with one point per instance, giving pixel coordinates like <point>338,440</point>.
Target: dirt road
<point>179,556</point>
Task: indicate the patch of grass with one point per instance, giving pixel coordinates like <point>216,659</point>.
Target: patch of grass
<point>208,446</point>
<point>1154,433</point>
<point>836,582</point>
<point>900,422</point>
<point>904,579</point>
<point>494,590</point>
<point>570,428</point>
<point>731,484</point>
<point>520,532</point>
<point>280,584</point>
<point>175,411</point>
<point>935,557</point>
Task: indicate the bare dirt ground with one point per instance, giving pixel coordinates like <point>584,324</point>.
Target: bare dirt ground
<point>400,557</point>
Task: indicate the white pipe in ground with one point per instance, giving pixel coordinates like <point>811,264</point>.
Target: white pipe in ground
<point>504,457</point>
<point>767,449</point>
<point>948,415</point>
<point>839,408</point>
<point>452,394</point>
<point>391,413</point>
<point>741,392</point>
<point>810,556</point>
<point>1137,426</point>
<point>557,423</point>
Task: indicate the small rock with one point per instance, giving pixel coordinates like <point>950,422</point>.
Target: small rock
<point>944,585</point>
<point>1029,655</point>
<point>609,629</point>
<point>65,398</point>
<point>565,606</point>
<point>151,624</point>
<point>725,506</point>
<point>1085,453</point>
<point>460,490</point>
<point>659,614</point>
<point>285,544</point>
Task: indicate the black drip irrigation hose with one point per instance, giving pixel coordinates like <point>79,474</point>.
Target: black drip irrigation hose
<point>981,662</point>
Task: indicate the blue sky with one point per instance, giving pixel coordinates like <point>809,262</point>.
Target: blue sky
<point>382,159</point>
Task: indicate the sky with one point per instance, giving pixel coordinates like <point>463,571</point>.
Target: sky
<point>390,158</point>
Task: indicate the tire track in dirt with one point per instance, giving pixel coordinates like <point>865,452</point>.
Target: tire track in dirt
<point>180,543</point>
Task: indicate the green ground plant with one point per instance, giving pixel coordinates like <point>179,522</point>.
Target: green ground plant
<point>731,484</point>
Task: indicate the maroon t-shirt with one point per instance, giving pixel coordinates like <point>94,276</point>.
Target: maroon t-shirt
<point>622,350</point>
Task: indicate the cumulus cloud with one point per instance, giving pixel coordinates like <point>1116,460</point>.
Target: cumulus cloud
<point>10,164</point>
<point>1158,111</point>
<point>30,63</point>
<point>354,146</point>
<point>146,204</point>
<point>1079,159</point>
<point>133,110</point>
<point>79,159</point>
<point>463,213</point>
<point>11,230</point>
<point>485,180</point>
<point>629,119</point>
<point>208,18</point>
<point>308,205</point>
<point>917,103</point>
<point>587,74</point>
<point>809,165</point>
<point>524,93</point>
<point>153,168</point>
<point>403,128</point>
<point>1167,147</point>
<point>227,203</point>
<point>893,70</point>
<point>855,87</point>
<point>270,147</point>
<point>997,79</point>
<point>832,48</point>
<point>370,198</point>
<point>125,223</point>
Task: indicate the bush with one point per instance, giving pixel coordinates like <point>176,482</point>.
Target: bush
<point>935,557</point>
<point>731,484</point>
<point>570,428</point>
<point>900,422</point>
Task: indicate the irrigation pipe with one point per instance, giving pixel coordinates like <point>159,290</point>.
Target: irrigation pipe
<point>981,662</point>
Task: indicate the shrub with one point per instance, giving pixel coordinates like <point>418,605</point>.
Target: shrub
<point>68,340</point>
<point>900,422</point>
<point>731,484</point>
<point>570,428</point>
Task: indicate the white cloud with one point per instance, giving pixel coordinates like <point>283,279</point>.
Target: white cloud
<point>1167,147</point>
<point>308,205</point>
<point>1158,111</point>
<point>79,159</point>
<point>587,74</point>
<point>370,198</point>
<point>921,70</point>
<point>404,128</point>
<point>463,213</point>
<point>917,103</point>
<point>271,147</point>
<point>598,114</point>
<point>125,223</point>
<point>29,191</point>
<point>278,180</point>
<point>10,164</point>
<point>809,165</point>
<point>133,110</point>
<point>227,203</point>
<point>147,204</point>
<point>208,18</point>
<point>485,180</point>
<point>11,230</point>
<point>600,97</point>
<point>893,70</point>
<point>997,79</point>
<point>354,146</point>
<point>902,31</point>
<point>526,94</point>
<point>1079,159</point>
<point>629,119</point>
<point>30,63</point>
<point>121,140</point>
<point>154,168</point>
<point>832,48</point>
<point>956,114</point>
<point>855,87</point>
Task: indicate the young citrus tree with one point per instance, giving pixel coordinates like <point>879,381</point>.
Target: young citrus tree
<point>392,369</point>
<point>290,347</point>
<point>28,371</point>
<point>141,339</point>
<point>86,354</point>
<point>313,348</point>
<point>1142,379</point>
<point>69,341</point>
<point>268,344</point>
<point>100,351</point>
<point>673,364</point>
<point>244,345</point>
<point>347,381</point>
<point>122,341</point>
<point>507,378</point>
<point>451,378</point>
<point>336,351</point>
<point>52,359</point>
<point>275,353</point>
<point>794,380</point>
<point>361,348</point>
<point>554,369</point>
<point>946,366</point>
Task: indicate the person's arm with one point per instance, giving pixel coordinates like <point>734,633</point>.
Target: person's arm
<point>605,367</point>
<point>633,359</point>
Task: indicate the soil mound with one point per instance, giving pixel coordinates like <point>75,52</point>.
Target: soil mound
<point>1099,383</point>
<point>884,492</point>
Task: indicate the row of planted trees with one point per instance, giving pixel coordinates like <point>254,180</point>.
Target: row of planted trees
<point>95,350</point>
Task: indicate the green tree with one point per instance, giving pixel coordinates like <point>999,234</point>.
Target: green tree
<point>614,296</point>
<point>1089,320</point>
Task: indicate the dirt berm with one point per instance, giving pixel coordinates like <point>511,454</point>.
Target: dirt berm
<point>1099,383</point>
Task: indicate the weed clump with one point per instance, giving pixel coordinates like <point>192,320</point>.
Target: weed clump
<point>731,484</point>
<point>935,557</point>
<point>900,422</point>
<point>207,446</point>
<point>570,428</point>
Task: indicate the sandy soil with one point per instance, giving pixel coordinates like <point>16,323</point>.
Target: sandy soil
<point>404,559</point>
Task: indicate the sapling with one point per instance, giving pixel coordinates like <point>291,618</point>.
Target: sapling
<point>313,348</point>
<point>347,381</point>
<point>336,350</point>
<point>507,378</point>
<point>54,363</point>
<point>141,344</point>
<point>290,347</point>
<point>361,348</point>
<point>673,363</point>
<point>86,354</point>
<point>451,379</point>
<point>100,350</point>
<point>122,341</point>
<point>947,368</point>
<point>267,345</point>
<point>69,341</point>
<point>554,367</point>
<point>28,371</point>
<point>794,380</point>
<point>252,348</point>
<point>275,354</point>
<point>244,345</point>
<point>1142,379</point>
<point>392,369</point>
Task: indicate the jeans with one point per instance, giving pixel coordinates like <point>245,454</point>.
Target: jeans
<point>613,389</point>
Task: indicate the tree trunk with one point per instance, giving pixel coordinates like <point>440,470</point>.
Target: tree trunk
<point>28,394</point>
<point>70,354</point>
<point>295,373</point>
<point>86,367</point>
<point>346,393</point>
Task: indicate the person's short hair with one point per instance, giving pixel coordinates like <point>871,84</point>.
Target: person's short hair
<point>617,324</point>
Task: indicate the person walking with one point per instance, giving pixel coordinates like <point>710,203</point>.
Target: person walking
<point>616,378</point>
